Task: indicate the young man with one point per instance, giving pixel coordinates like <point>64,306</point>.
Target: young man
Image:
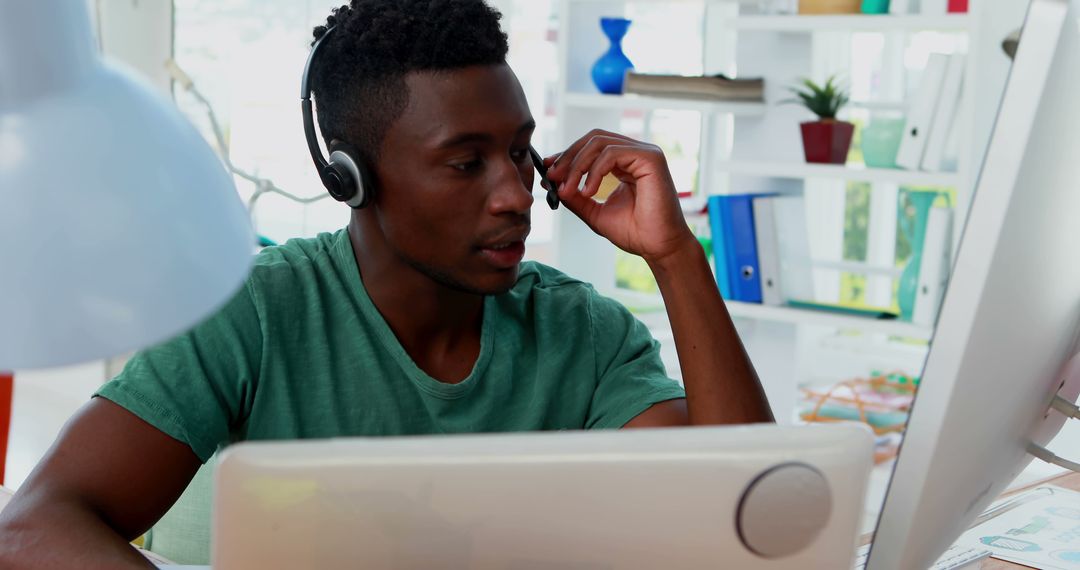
<point>419,317</point>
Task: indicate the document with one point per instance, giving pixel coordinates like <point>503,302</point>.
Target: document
<point>1039,528</point>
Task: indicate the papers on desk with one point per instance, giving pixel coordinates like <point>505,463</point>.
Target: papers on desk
<point>955,558</point>
<point>1039,528</point>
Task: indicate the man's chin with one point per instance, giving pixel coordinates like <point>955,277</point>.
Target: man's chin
<point>485,283</point>
<point>499,284</point>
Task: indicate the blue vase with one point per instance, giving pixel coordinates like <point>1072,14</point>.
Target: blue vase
<point>608,71</point>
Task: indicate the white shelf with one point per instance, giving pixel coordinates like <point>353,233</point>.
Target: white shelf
<point>799,170</point>
<point>852,22</point>
<point>650,311</point>
<point>643,102</point>
<point>824,318</point>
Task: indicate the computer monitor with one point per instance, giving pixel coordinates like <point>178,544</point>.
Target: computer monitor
<point>1008,325</point>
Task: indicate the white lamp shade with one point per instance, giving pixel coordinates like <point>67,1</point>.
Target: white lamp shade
<point>119,226</point>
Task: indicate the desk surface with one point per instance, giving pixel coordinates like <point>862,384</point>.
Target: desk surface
<point>1069,481</point>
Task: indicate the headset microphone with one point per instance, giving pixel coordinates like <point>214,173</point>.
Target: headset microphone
<point>344,175</point>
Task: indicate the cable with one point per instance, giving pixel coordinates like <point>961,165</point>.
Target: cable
<point>1049,457</point>
<point>1065,407</point>
<point>262,185</point>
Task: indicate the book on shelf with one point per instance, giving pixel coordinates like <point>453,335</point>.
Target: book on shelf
<point>768,250</point>
<point>931,123</point>
<point>704,87</point>
<point>735,247</point>
<point>945,116</point>
<point>921,114</point>
<point>934,266</point>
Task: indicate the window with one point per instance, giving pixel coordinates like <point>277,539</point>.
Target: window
<point>246,58</point>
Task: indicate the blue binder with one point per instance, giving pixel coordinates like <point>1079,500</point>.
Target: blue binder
<point>735,246</point>
<point>719,246</point>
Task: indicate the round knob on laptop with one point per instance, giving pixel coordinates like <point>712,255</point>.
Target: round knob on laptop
<point>784,510</point>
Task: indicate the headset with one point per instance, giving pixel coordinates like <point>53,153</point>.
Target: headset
<point>344,175</point>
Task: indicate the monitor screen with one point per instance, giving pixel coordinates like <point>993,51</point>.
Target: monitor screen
<point>1008,324</point>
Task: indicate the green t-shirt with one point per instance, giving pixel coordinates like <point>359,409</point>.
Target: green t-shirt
<point>301,352</point>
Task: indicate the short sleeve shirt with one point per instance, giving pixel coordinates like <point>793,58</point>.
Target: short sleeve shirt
<point>302,352</point>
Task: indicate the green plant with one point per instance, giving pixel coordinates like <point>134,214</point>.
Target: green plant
<point>825,101</point>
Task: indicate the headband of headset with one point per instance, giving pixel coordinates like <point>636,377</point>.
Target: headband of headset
<point>343,176</point>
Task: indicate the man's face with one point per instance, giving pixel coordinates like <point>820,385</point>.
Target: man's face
<point>455,178</point>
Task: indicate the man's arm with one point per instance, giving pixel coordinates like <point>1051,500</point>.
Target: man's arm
<point>643,216</point>
<point>108,477</point>
<point>721,384</point>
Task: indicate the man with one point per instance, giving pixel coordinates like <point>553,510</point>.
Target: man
<point>419,317</point>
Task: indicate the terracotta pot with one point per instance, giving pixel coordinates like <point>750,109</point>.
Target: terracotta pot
<point>829,6</point>
<point>827,141</point>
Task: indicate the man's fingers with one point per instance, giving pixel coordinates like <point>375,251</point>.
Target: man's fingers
<point>611,158</point>
<point>570,154</point>
<point>586,157</point>
<point>582,207</point>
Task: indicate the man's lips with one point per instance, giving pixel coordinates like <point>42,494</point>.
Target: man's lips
<point>505,239</point>
<point>506,256</point>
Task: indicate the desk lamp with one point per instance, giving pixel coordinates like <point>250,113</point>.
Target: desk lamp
<point>119,227</point>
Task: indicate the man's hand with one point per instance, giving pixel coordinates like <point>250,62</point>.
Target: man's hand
<point>642,216</point>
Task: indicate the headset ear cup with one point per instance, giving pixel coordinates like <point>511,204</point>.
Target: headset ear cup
<point>344,158</point>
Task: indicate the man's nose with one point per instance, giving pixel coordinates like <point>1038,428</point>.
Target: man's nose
<point>512,191</point>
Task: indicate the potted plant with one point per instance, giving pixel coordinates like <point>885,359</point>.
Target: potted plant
<point>825,140</point>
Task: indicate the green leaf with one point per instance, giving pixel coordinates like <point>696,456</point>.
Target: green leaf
<point>825,100</point>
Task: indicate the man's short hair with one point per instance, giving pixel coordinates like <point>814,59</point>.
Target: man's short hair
<point>358,77</point>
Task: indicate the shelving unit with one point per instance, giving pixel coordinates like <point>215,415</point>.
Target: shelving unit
<point>746,147</point>
<point>791,315</point>
<point>648,103</point>
<point>751,148</point>
<point>651,306</point>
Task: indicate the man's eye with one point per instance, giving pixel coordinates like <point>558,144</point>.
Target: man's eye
<point>519,155</point>
<point>467,166</point>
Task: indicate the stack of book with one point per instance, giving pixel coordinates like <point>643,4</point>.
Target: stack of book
<point>706,87</point>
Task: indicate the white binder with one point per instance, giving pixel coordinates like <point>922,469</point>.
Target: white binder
<point>935,267</point>
<point>945,117</point>
<point>793,245</point>
<point>921,114</point>
<point>768,251</point>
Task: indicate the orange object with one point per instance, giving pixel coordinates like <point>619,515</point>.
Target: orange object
<point>830,6</point>
<point>861,394</point>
